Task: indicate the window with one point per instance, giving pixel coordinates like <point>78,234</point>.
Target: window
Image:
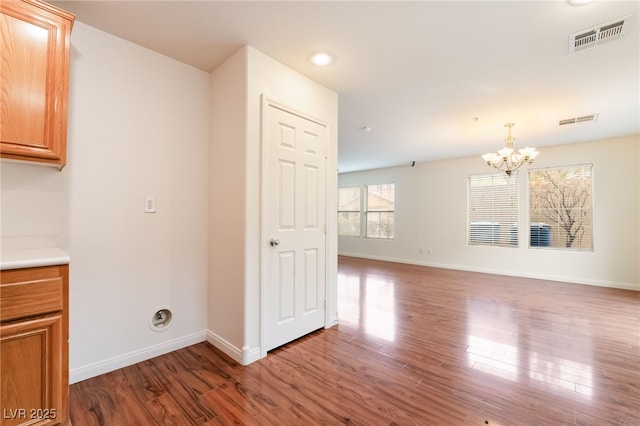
<point>561,212</point>
<point>349,211</point>
<point>380,205</point>
<point>493,209</point>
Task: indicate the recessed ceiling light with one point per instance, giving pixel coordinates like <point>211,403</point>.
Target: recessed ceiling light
<point>365,128</point>
<point>321,59</point>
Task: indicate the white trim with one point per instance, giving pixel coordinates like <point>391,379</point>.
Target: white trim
<point>332,320</point>
<point>268,101</point>
<point>564,279</point>
<point>264,205</point>
<point>110,364</point>
<point>243,356</point>
<point>250,355</point>
<point>225,346</point>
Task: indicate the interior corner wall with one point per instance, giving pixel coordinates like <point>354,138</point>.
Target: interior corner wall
<point>138,126</point>
<point>431,214</point>
<point>227,206</point>
<point>282,84</point>
<point>235,192</point>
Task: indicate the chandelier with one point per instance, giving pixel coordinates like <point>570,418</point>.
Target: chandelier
<point>507,159</point>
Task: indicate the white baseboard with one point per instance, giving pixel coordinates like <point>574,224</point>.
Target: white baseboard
<point>250,355</point>
<point>101,367</point>
<point>572,280</point>
<point>232,351</point>
<point>243,356</point>
<point>333,320</point>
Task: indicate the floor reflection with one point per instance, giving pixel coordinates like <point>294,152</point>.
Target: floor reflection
<point>493,357</point>
<point>492,336</point>
<point>490,349</point>
<point>367,303</point>
<point>563,373</point>
<point>493,331</point>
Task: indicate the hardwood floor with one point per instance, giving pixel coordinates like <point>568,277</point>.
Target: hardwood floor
<point>415,346</point>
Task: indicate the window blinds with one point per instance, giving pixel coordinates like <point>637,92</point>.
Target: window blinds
<point>493,209</point>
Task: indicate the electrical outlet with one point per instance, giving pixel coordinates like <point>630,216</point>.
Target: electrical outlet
<point>149,204</point>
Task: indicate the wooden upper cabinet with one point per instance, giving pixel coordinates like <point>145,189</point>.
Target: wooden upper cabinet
<point>34,81</point>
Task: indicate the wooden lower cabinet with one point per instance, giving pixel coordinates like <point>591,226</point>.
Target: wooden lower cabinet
<point>34,361</point>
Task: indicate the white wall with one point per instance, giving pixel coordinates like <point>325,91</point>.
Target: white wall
<point>227,206</point>
<point>34,206</point>
<point>138,125</point>
<point>289,88</point>
<point>142,124</point>
<point>234,275</point>
<point>431,213</point>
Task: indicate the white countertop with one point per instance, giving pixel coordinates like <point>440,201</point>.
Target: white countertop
<point>30,258</point>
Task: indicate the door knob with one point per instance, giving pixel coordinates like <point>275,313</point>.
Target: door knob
<point>274,242</point>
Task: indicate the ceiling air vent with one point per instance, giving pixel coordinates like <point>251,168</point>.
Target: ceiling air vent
<point>594,36</point>
<point>582,119</point>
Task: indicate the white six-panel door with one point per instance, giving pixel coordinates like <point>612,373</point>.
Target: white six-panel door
<point>294,235</point>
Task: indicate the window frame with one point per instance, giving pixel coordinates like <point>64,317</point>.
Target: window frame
<point>367,210</point>
<point>358,211</point>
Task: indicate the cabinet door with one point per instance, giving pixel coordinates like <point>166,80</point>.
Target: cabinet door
<point>34,76</point>
<point>31,371</point>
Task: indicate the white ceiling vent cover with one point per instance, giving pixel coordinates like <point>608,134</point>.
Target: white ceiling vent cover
<point>594,36</point>
<point>582,119</point>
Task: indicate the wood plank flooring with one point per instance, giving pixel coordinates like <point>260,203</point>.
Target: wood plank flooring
<point>415,346</point>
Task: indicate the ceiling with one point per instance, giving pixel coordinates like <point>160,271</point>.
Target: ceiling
<point>431,79</point>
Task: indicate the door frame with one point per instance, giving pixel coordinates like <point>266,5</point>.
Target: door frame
<point>266,103</point>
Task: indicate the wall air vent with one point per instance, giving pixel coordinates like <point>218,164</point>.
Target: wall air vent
<point>581,119</point>
<point>594,36</point>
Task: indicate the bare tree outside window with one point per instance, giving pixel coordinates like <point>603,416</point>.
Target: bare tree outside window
<point>561,207</point>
